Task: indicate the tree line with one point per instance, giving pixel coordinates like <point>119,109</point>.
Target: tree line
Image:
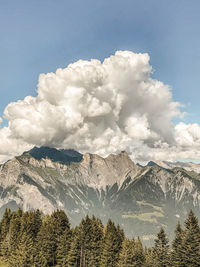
<point>33,239</point>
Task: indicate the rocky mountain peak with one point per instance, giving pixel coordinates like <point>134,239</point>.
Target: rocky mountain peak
<point>49,179</point>
<point>123,155</point>
<point>189,166</point>
<point>62,156</point>
<point>107,171</point>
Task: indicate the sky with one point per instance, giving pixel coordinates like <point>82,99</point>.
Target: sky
<point>42,36</point>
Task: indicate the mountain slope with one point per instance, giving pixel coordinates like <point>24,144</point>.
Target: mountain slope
<point>63,156</point>
<point>140,199</point>
<point>189,166</point>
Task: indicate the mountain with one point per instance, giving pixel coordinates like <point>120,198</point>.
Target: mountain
<point>63,156</point>
<point>189,166</point>
<point>141,199</point>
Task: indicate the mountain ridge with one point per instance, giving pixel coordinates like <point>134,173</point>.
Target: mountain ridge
<point>189,166</point>
<point>141,199</point>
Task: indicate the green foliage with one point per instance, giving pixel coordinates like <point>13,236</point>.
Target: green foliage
<point>177,254</point>
<point>75,252</point>
<point>126,257</point>
<point>97,241</point>
<point>86,246</point>
<point>191,241</point>
<point>112,245</point>
<point>31,239</point>
<point>161,249</point>
<point>150,259</point>
<point>4,230</point>
<point>46,243</point>
<point>63,247</point>
<point>132,254</point>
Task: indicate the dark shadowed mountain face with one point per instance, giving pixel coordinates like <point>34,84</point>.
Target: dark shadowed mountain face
<point>141,199</point>
<point>64,156</point>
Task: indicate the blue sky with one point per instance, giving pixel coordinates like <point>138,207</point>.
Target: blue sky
<point>41,35</point>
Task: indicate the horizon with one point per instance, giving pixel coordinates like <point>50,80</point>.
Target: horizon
<point>141,163</point>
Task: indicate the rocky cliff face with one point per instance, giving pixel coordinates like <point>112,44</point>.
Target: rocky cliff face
<point>189,166</point>
<point>47,185</point>
<point>140,199</point>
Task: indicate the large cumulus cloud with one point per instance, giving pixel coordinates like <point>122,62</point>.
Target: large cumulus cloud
<point>101,108</point>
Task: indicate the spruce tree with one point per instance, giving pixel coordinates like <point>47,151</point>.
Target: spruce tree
<point>5,223</point>
<point>60,222</point>
<point>86,243</point>
<point>30,240</point>
<point>138,253</point>
<point>53,231</point>
<point>126,257</point>
<point>15,235</point>
<point>36,222</point>
<point>111,245</point>
<point>74,254</point>
<point>24,254</point>
<point>177,253</point>
<point>63,248</point>
<point>60,225</point>
<point>161,249</point>
<point>191,243</point>
<point>132,254</point>
<point>5,236</point>
<point>46,244</point>
<point>150,258</point>
<point>96,242</point>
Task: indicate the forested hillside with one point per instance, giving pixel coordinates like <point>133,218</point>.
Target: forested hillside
<point>33,239</point>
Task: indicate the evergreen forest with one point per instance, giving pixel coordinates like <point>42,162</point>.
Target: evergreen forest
<point>34,239</point>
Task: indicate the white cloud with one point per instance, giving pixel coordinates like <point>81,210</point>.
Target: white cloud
<point>10,146</point>
<point>101,108</point>
<point>187,135</point>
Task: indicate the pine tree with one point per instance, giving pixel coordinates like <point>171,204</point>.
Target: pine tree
<point>111,245</point>
<point>5,223</point>
<point>5,236</point>
<point>121,235</point>
<point>63,248</point>
<point>191,243</point>
<point>60,222</point>
<point>96,242</point>
<point>36,217</point>
<point>14,232</point>
<point>75,252</point>
<point>24,253</point>
<point>46,244</point>
<point>86,243</point>
<point>53,231</point>
<point>138,253</point>
<point>161,249</point>
<point>150,258</point>
<point>177,253</point>
<point>30,240</point>
<point>126,257</point>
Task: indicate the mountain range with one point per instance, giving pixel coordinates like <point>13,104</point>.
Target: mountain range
<point>140,198</point>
